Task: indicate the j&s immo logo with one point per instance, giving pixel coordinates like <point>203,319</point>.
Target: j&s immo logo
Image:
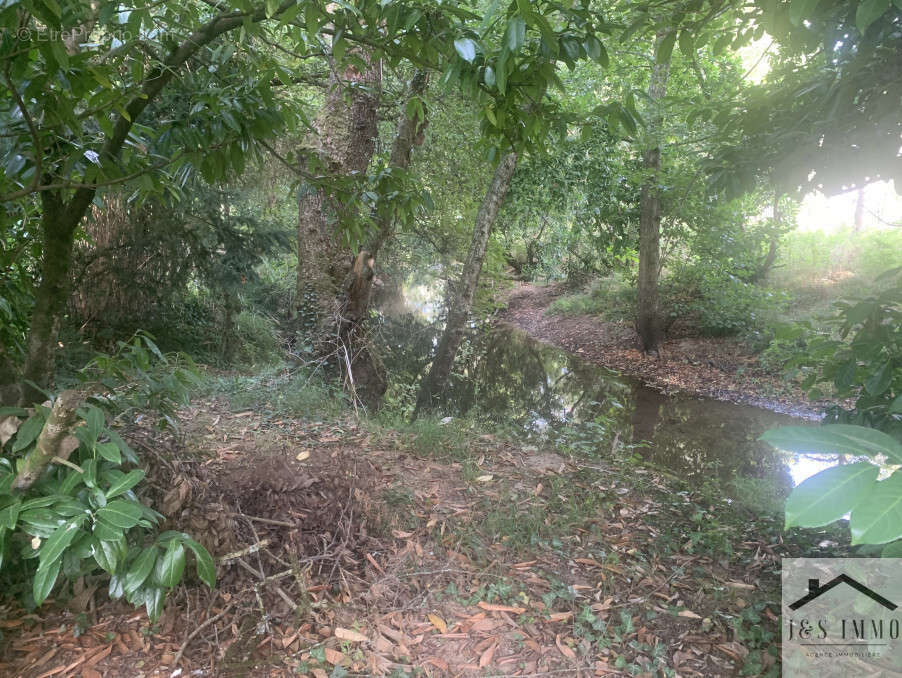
<point>840,617</point>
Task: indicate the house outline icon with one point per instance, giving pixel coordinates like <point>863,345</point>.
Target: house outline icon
<point>815,590</point>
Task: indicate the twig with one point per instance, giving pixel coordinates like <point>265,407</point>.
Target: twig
<point>253,548</point>
<point>200,628</point>
<point>268,521</point>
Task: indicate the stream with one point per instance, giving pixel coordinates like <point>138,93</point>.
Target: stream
<point>543,395</point>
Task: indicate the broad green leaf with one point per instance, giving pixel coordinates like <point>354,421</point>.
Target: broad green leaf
<point>829,495</point>
<point>44,579</point>
<point>153,601</point>
<point>110,452</point>
<point>140,569</point>
<point>878,518</point>
<point>9,515</point>
<point>466,48</point>
<point>687,44</point>
<point>665,48</point>
<point>515,34</point>
<point>106,532</point>
<point>488,77</point>
<point>121,514</point>
<point>868,12</point>
<point>892,550</point>
<point>206,568</point>
<point>880,380</point>
<point>125,483</point>
<point>28,432</point>
<point>896,406</point>
<point>95,420</point>
<point>57,542</point>
<point>172,565</point>
<point>835,439</point>
<point>106,553</point>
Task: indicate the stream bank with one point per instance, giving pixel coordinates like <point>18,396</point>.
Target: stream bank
<point>718,368</point>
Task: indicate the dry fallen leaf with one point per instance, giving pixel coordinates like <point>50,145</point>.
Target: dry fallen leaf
<point>491,607</point>
<point>334,656</point>
<point>566,651</point>
<point>486,657</point>
<point>486,478</point>
<point>348,634</point>
<point>689,614</point>
<point>438,623</point>
<point>302,455</point>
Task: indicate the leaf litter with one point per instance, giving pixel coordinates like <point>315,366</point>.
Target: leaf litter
<point>323,572</point>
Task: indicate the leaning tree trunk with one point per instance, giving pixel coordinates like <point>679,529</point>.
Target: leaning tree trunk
<point>410,133</point>
<point>436,381</point>
<point>649,323</point>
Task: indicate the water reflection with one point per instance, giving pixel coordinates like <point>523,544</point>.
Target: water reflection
<point>539,392</point>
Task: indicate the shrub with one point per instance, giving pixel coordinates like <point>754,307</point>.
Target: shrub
<point>78,512</point>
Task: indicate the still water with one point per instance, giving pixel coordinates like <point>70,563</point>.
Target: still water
<point>546,395</point>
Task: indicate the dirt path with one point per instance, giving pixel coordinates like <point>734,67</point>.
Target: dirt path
<point>714,367</point>
<point>433,554</point>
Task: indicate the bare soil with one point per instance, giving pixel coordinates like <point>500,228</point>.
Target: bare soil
<point>721,368</point>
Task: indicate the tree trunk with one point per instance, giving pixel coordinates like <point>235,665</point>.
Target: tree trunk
<point>648,316</point>
<point>333,284</point>
<point>58,223</point>
<point>410,133</point>
<point>436,381</point>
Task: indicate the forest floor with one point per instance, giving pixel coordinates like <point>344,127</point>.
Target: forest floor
<point>346,548</point>
<point>721,368</point>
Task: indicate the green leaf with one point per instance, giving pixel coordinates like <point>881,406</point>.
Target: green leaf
<point>206,568</point>
<point>488,77</point>
<point>106,553</point>
<point>140,569</point>
<point>172,565</point>
<point>57,542</point>
<point>28,432</point>
<point>687,44</point>
<point>515,34</point>
<point>829,495</point>
<point>95,420</point>
<point>665,48</point>
<point>125,483</point>
<point>868,12</point>
<point>893,550</point>
<point>44,579</point>
<point>9,515</point>
<point>121,514</point>
<point>466,48</point>
<point>878,518</point>
<point>153,601</point>
<point>110,452</point>
<point>835,439</point>
<point>896,406</point>
<point>880,380</point>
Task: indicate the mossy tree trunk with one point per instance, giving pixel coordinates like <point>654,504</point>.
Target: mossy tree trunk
<point>436,381</point>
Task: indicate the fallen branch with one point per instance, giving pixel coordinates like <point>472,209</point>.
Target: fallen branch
<point>55,440</point>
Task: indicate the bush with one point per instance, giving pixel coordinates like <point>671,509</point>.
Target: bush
<point>78,513</point>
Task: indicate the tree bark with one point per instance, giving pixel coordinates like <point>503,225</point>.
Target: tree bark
<point>436,381</point>
<point>334,284</point>
<point>648,316</point>
<point>409,134</point>
<point>55,440</point>
<point>58,225</point>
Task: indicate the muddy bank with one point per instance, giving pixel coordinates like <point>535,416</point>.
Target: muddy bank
<point>719,368</point>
